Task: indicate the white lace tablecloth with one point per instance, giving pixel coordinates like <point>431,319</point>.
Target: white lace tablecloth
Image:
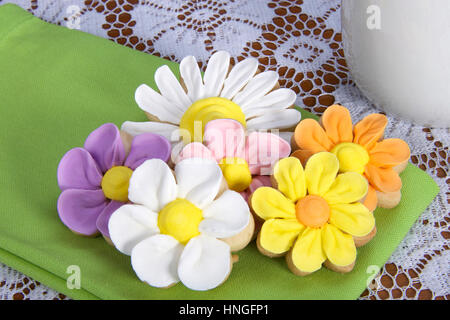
<point>302,41</point>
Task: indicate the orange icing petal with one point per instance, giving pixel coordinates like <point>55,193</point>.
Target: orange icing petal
<point>309,135</point>
<point>371,199</point>
<point>337,123</point>
<point>383,179</point>
<point>302,155</point>
<point>369,130</point>
<point>389,152</point>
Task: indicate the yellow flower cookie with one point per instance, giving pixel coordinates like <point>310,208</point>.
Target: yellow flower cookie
<point>313,215</point>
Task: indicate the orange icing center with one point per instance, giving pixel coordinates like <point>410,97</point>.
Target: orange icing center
<point>312,211</point>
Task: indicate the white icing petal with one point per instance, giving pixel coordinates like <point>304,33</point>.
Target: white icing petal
<point>152,184</point>
<point>164,129</point>
<point>155,260</point>
<point>276,100</point>
<point>198,180</point>
<point>176,149</point>
<point>205,263</point>
<point>152,102</point>
<point>215,74</point>
<point>226,216</point>
<point>130,224</point>
<point>282,119</point>
<point>286,136</point>
<point>238,77</point>
<point>170,88</point>
<point>192,78</point>
<point>256,88</point>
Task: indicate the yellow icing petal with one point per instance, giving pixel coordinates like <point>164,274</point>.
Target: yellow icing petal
<point>204,110</point>
<point>278,235</point>
<point>270,203</point>
<point>290,177</point>
<point>354,218</point>
<point>180,219</point>
<point>347,188</point>
<point>236,172</point>
<point>307,253</point>
<point>320,172</point>
<point>115,183</point>
<point>351,156</point>
<point>339,247</point>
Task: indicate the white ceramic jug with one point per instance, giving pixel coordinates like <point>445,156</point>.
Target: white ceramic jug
<point>398,52</point>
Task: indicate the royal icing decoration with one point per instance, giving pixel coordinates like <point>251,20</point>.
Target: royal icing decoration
<point>182,110</point>
<point>359,148</point>
<point>94,180</point>
<point>314,214</point>
<point>242,159</point>
<point>174,226</point>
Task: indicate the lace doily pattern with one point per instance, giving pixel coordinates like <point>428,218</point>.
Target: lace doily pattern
<point>16,286</point>
<point>302,41</point>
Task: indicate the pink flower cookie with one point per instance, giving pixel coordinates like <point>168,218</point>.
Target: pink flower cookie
<point>94,179</point>
<point>246,161</point>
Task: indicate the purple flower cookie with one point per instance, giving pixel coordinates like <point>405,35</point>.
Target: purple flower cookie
<point>94,179</point>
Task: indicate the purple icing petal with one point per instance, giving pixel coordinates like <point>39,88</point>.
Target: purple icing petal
<point>147,146</point>
<point>78,170</point>
<point>103,218</point>
<point>80,209</point>
<point>106,146</point>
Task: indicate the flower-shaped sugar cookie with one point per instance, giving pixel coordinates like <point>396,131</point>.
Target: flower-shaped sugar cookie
<point>239,93</point>
<point>359,148</point>
<point>174,227</point>
<point>94,179</point>
<point>313,216</point>
<point>244,160</point>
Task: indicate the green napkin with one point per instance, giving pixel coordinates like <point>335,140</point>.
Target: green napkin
<point>56,86</point>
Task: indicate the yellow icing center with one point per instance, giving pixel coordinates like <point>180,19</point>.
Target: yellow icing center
<point>204,110</point>
<point>115,183</point>
<point>352,157</point>
<point>180,219</point>
<point>312,211</point>
<point>236,172</point>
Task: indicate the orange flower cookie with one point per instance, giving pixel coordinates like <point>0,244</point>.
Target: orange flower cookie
<point>313,215</point>
<point>359,148</point>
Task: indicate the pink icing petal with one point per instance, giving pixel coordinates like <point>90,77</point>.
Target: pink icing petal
<point>106,146</point>
<point>195,150</point>
<point>225,138</point>
<point>103,218</point>
<point>80,209</point>
<point>78,170</point>
<point>245,194</point>
<point>257,181</point>
<point>264,149</point>
<point>147,146</point>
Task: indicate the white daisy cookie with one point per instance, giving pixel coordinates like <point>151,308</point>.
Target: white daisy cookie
<point>179,224</point>
<point>181,108</point>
